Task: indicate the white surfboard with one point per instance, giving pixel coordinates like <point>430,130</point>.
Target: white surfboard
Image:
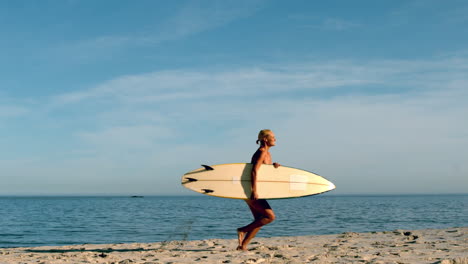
<point>234,181</point>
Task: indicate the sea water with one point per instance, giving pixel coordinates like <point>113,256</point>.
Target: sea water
<point>39,221</point>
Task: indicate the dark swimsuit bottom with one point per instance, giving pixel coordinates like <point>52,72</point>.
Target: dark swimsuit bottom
<point>264,204</point>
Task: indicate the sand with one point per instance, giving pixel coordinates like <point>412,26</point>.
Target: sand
<point>446,246</point>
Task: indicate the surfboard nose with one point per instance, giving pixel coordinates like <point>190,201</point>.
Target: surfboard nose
<point>331,185</point>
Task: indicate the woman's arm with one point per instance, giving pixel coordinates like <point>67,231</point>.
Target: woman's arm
<point>256,163</point>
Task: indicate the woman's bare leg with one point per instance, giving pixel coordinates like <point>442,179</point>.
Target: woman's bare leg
<point>263,215</point>
<point>241,234</point>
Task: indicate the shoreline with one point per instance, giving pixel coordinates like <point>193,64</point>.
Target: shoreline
<point>446,246</point>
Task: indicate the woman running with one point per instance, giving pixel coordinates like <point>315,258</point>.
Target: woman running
<point>261,210</point>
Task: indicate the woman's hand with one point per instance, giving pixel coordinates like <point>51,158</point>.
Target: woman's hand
<point>254,196</point>
<point>276,165</point>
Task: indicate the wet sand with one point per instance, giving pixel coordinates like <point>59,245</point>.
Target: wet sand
<point>446,246</point>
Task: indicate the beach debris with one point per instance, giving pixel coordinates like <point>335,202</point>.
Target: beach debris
<point>253,260</point>
<point>126,261</point>
<point>349,235</point>
<point>461,260</point>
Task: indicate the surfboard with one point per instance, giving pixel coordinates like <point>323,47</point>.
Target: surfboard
<point>234,181</point>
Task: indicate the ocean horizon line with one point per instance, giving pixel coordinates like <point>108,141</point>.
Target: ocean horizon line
<point>137,195</point>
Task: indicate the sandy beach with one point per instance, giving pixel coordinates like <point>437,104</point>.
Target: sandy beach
<point>399,246</point>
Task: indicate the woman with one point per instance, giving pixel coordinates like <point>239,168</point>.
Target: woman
<point>260,208</point>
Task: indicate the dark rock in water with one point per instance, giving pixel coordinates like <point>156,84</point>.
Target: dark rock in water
<point>136,196</point>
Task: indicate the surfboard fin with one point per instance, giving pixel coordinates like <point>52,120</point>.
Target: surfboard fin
<point>207,190</point>
<point>207,167</point>
<point>189,180</point>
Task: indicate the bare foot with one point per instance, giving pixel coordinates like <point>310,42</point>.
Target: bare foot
<point>240,236</point>
<point>241,248</point>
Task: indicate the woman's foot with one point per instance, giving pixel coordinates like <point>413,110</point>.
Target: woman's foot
<point>241,248</point>
<point>240,237</point>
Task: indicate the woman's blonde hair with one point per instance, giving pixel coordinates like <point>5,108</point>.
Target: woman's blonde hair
<point>263,134</point>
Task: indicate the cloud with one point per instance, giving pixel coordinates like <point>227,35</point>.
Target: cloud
<point>234,93</point>
<point>369,126</point>
<point>200,16</point>
<point>177,85</point>
<point>319,79</point>
<point>427,12</point>
<point>11,111</point>
<point>193,18</point>
<point>128,137</point>
<point>337,24</point>
<point>324,23</point>
<point>382,144</point>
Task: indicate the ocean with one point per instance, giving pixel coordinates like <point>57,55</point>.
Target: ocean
<point>40,221</point>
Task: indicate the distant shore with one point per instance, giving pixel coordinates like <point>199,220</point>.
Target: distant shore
<point>446,246</point>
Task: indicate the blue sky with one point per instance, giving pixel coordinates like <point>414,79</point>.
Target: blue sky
<point>124,97</point>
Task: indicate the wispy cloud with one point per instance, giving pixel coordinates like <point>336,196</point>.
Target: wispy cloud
<point>324,23</point>
<point>129,137</point>
<point>193,18</point>
<point>337,24</point>
<point>287,80</point>
<point>200,16</point>
<point>212,96</point>
<point>11,111</point>
<point>407,119</point>
<point>429,12</point>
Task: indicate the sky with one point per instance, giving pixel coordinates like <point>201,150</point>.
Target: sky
<point>124,97</point>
